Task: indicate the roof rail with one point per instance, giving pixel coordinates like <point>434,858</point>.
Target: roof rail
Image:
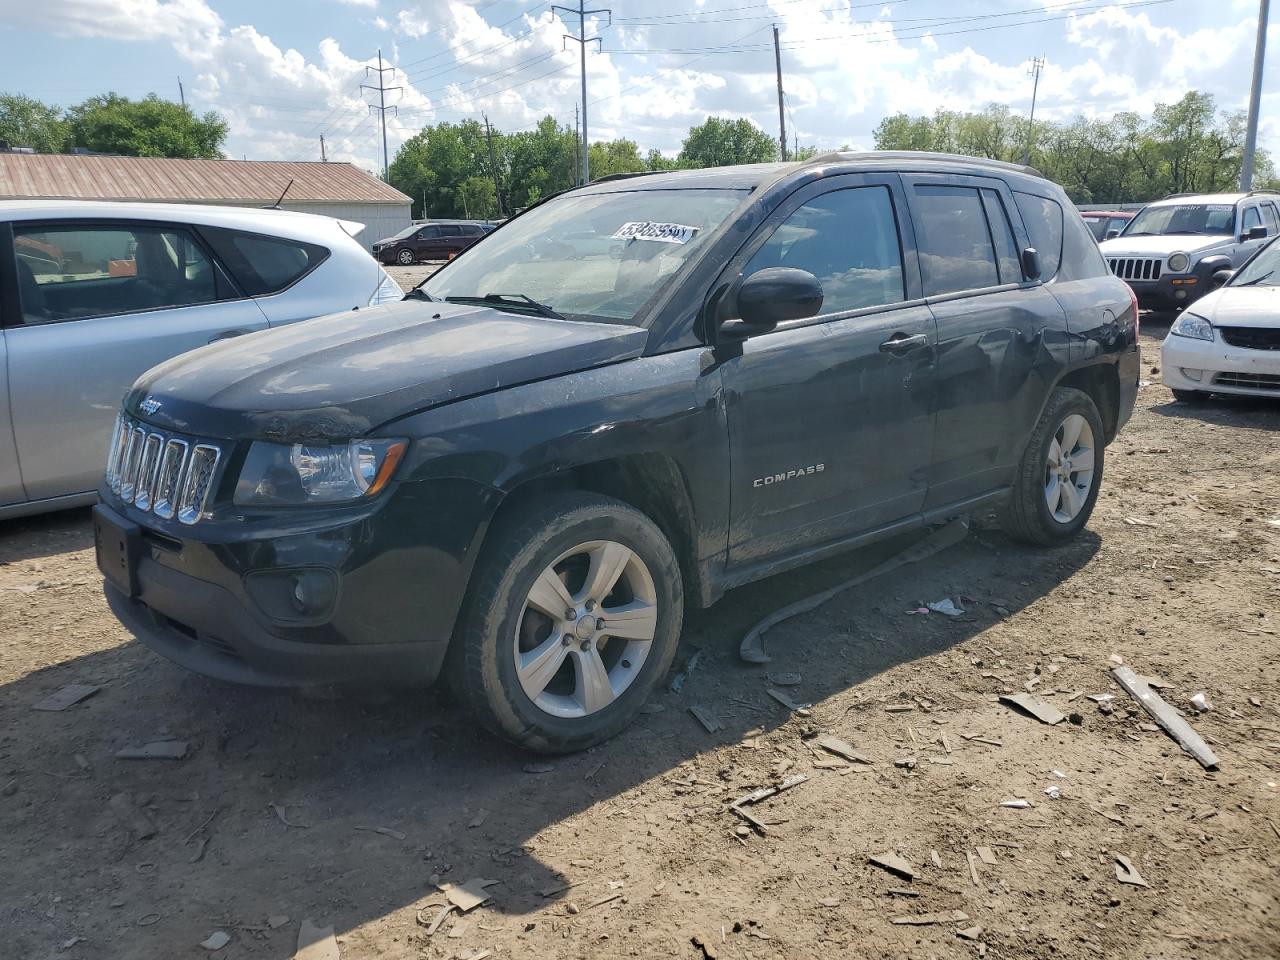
<point>609,177</point>
<point>836,155</point>
<point>1254,193</point>
<point>1174,196</point>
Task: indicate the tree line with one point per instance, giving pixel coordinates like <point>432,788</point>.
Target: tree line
<point>110,123</point>
<point>1183,147</point>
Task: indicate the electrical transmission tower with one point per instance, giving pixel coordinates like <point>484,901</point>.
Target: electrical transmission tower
<point>582,40</point>
<point>381,106</point>
<point>1037,65</point>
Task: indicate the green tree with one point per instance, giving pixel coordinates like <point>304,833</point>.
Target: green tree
<point>432,166</point>
<point>615,156</point>
<point>720,142</point>
<point>654,160</point>
<point>25,122</point>
<point>145,128</point>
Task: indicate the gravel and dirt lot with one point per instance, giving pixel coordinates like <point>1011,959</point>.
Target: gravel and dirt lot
<point>345,808</point>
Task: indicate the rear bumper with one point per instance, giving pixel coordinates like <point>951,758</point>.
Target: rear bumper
<point>1217,367</point>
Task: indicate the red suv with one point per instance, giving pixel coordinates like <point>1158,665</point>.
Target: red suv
<point>435,240</point>
<point>1105,224</point>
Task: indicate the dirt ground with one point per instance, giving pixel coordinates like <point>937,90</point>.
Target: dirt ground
<point>346,808</point>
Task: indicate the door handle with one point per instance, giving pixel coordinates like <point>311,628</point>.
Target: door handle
<point>228,334</point>
<point>900,343</point>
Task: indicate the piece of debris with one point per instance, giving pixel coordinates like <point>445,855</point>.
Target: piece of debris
<point>1053,792</point>
<point>899,708</point>
<point>1116,660</point>
<point>906,763</point>
<point>710,722</point>
<point>277,920</point>
<point>386,831</point>
<point>68,696</point>
<point>601,901</point>
<point>893,863</point>
<point>840,748</point>
<point>478,820</point>
<point>987,856</point>
<point>434,925</point>
<point>937,861</point>
<point>917,612</point>
<point>704,943</point>
<point>1201,703</point>
<point>572,908</point>
<point>133,818</point>
<point>763,793</point>
<point>1166,716</point>
<point>678,681</point>
<point>785,679</point>
<point>1017,804</point>
<point>1102,697</point>
<point>786,701</point>
<point>829,902</point>
<point>279,812</point>
<point>902,892</point>
<point>216,940</point>
<point>751,649</point>
<point>155,750</point>
<point>989,741</point>
<point>1110,816</point>
<point>1042,711</point>
<point>1140,522</point>
<point>1126,872</point>
<point>467,896</point>
<point>973,868</point>
<point>947,607</point>
<point>969,933</point>
<point>316,943</point>
<point>925,919</point>
<point>538,768</point>
<point>70,942</point>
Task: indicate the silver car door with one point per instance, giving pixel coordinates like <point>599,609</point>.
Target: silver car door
<point>101,303</point>
<point>10,479</point>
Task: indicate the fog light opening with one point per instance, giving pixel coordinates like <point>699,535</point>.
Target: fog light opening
<point>1180,294</point>
<point>1195,375</point>
<point>312,592</point>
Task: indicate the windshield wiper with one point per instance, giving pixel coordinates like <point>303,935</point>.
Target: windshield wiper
<point>518,301</point>
<point>1250,283</point>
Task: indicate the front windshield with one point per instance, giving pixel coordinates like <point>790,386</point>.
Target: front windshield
<point>1262,271</point>
<point>590,257</point>
<point>1207,218</point>
<point>411,228</point>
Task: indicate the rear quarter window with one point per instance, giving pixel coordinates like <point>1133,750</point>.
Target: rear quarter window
<point>1081,258</point>
<point>262,264</point>
<point>1043,220</point>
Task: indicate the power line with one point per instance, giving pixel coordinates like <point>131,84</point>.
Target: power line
<point>382,107</point>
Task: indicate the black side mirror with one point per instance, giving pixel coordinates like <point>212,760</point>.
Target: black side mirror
<point>1255,233</point>
<point>767,298</point>
<point>1030,263</point>
<point>1220,277</point>
<point>1112,233</point>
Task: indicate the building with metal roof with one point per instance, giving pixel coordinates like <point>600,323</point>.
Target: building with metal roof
<point>338,190</point>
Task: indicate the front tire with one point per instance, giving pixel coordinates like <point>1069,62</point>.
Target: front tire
<point>572,619</point>
<point>405,258</point>
<point>1058,479</point>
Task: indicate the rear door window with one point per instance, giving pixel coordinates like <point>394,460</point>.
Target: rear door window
<point>264,265</point>
<point>72,272</point>
<point>1002,234</point>
<point>857,268</point>
<point>1269,218</point>
<point>956,250</point>
<point>1043,219</point>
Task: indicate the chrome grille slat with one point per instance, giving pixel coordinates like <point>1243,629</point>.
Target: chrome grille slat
<point>1136,268</point>
<point>160,473</point>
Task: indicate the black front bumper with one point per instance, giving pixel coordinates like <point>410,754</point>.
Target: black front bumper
<point>214,596</point>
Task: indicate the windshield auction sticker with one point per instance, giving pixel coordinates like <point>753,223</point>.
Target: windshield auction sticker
<point>659,232</point>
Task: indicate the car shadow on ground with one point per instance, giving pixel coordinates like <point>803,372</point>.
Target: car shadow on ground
<point>1251,413</point>
<point>343,806</point>
<point>45,535</point>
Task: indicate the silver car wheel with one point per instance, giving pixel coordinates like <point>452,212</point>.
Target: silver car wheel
<point>405,257</point>
<point>1069,469</point>
<point>586,629</point>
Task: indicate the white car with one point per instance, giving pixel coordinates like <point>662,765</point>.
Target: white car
<point>93,294</point>
<point>1229,340</point>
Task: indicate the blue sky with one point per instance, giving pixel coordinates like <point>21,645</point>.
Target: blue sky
<point>285,72</point>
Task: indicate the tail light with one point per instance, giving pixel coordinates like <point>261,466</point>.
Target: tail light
<point>1133,303</point>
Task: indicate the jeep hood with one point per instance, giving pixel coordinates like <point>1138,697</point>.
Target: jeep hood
<point>1240,307</point>
<point>343,375</point>
<point>1161,246</point>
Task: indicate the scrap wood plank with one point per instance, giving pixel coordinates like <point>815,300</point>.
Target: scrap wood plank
<point>763,793</point>
<point>1166,716</point>
<point>893,863</point>
<point>840,748</point>
<point>924,919</point>
<point>1042,711</point>
<point>68,696</point>
<point>316,943</point>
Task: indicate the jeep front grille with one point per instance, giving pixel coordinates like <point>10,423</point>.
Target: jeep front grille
<point>161,473</point>
<point>1135,268</point>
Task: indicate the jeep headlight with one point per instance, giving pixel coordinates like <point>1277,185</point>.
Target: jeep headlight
<point>290,474</point>
<point>1179,262</point>
<point>1190,325</point>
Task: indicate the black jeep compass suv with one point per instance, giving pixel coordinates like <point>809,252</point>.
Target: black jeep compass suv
<point>633,396</point>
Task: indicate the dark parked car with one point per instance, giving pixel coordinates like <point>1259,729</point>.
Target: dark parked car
<point>436,240</point>
<point>523,472</point>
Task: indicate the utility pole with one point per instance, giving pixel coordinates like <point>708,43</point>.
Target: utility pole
<point>577,148</point>
<point>1255,96</point>
<point>381,106</point>
<point>182,94</point>
<point>493,166</point>
<point>1034,72</point>
<point>323,157</point>
<point>582,40</point>
<point>782,118</point>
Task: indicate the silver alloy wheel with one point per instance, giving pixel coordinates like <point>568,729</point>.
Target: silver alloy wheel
<point>586,629</point>
<point>405,257</point>
<point>1069,469</point>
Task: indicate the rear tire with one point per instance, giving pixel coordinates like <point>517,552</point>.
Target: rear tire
<point>1190,396</point>
<point>1058,479</point>
<point>559,680</point>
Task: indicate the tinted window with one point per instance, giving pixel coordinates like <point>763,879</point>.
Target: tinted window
<point>848,239</point>
<point>1115,223</point>
<point>955,244</point>
<point>1098,226</point>
<point>1002,234</point>
<point>1251,219</point>
<point>1043,220</point>
<point>1269,215</point>
<point>429,233</point>
<point>471,230</point>
<point>264,265</point>
<point>69,273</point>
<point>1081,257</point>
<point>450,231</point>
